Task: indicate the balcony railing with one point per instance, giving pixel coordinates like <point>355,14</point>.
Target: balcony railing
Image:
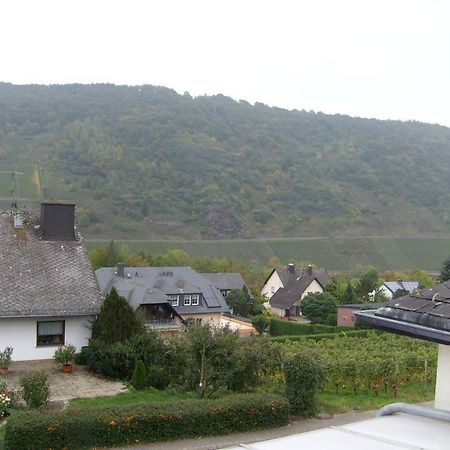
<point>162,324</point>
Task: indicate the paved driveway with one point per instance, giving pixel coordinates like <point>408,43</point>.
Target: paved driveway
<point>79,383</point>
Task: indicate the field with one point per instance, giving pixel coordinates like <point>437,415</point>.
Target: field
<point>334,253</point>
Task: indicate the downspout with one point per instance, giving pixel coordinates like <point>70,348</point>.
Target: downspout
<point>406,408</point>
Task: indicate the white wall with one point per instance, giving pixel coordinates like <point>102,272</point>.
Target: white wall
<point>273,284</point>
<point>207,318</point>
<point>386,292</point>
<point>279,312</point>
<point>21,335</point>
<point>313,288</point>
<point>442,396</point>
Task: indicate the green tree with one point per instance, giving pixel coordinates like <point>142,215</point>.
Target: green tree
<point>318,307</point>
<point>400,293</point>
<point>117,320</point>
<point>139,380</point>
<point>367,283</point>
<point>261,323</point>
<point>349,297</point>
<point>240,302</point>
<point>445,271</point>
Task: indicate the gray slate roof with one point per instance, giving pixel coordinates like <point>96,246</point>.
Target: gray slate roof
<point>425,314</point>
<point>42,278</point>
<point>225,281</point>
<point>295,284</point>
<point>153,285</point>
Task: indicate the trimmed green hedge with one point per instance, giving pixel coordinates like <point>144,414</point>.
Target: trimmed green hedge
<point>318,337</point>
<point>280,327</point>
<point>100,427</point>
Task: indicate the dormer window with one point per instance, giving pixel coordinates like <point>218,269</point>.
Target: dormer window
<point>187,300</point>
<point>174,300</point>
<point>195,299</point>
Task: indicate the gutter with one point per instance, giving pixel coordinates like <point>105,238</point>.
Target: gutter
<point>415,410</point>
<point>404,328</point>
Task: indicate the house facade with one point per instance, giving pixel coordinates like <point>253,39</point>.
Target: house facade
<point>286,288</point>
<point>181,291</point>
<point>48,292</point>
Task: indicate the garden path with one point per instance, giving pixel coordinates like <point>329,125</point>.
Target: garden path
<point>79,383</point>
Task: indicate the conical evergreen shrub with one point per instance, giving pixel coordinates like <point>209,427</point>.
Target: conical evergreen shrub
<point>139,379</point>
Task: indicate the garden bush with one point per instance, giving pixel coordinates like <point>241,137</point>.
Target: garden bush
<point>35,389</point>
<point>304,374</point>
<point>100,427</point>
<point>319,337</point>
<point>118,360</point>
<point>280,327</point>
<point>139,379</point>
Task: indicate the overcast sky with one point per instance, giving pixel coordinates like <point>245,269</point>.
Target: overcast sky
<point>368,58</point>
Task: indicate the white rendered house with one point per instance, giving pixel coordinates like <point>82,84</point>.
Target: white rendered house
<point>48,292</point>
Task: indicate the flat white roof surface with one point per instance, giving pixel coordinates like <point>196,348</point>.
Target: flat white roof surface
<point>398,431</point>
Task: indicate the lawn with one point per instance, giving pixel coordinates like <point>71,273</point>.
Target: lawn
<point>130,398</point>
<point>348,401</point>
<point>329,401</point>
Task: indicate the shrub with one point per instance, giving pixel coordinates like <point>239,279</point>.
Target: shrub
<point>64,355</point>
<point>100,427</point>
<point>304,374</point>
<point>35,389</point>
<point>319,337</point>
<point>317,307</point>
<point>261,323</point>
<point>6,357</point>
<point>119,359</point>
<point>81,358</point>
<point>139,379</point>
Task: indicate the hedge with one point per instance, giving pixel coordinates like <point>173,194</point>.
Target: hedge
<point>125,425</point>
<point>318,337</point>
<point>280,327</point>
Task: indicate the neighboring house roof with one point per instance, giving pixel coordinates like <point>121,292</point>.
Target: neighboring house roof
<point>425,314</point>
<point>44,278</point>
<point>153,284</point>
<point>295,284</point>
<point>225,281</point>
<point>394,286</point>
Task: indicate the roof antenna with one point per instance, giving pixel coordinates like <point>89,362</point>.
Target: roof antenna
<point>13,189</point>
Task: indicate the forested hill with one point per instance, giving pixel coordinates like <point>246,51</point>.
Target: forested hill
<point>145,162</point>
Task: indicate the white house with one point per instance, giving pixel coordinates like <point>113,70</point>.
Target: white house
<point>286,288</point>
<point>48,292</point>
<point>389,288</point>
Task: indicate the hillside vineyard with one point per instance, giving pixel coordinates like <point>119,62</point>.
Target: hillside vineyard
<point>146,162</point>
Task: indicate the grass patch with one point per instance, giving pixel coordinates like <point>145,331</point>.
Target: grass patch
<point>347,401</point>
<point>150,395</point>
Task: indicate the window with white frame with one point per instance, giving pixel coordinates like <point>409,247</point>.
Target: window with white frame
<point>174,300</point>
<point>195,299</point>
<point>187,300</point>
<point>50,333</point>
